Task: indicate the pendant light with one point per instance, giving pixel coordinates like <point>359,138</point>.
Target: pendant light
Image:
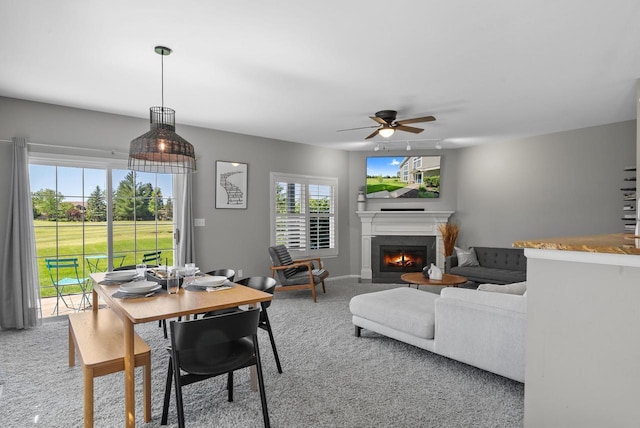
<point>161,149</point>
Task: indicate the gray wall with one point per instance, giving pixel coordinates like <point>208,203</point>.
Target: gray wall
<point>560,184</point>
<point>231,238</point>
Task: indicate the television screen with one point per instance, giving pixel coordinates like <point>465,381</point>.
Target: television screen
<point>396,177</point>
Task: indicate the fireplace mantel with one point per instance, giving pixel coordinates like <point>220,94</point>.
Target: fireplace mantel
<point>410,223</point>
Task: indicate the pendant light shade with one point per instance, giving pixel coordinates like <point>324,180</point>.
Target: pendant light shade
<point>161,149</point>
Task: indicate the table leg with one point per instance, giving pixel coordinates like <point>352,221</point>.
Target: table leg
<point>129,374</point>
<point>72,349</point>
<point>94,298</point>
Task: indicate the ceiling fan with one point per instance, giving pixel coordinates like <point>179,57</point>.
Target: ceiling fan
<point>388,124</point>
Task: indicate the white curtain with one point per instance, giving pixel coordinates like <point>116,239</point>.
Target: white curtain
<point>19,283</point>
<point>184,235</point>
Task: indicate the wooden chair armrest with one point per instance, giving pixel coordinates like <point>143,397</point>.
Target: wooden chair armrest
<point>293,265</point>
<point>311,259</point>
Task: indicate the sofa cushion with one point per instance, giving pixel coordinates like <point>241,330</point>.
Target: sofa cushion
<point>518,288</point>
<point>489,275</point>
<point>502,258</point>
<point>405,309</point>
<point>466,257</point>
<point>501,301</point>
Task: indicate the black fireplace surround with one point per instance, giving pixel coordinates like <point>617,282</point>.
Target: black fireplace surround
<point>391,256</point>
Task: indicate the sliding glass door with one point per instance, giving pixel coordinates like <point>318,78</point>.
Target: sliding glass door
<point>89,219</point>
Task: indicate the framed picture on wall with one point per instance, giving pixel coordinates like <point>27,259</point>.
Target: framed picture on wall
<point>231,185</point>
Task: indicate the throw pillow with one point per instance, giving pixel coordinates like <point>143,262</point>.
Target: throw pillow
<point>518,288</point>
<point>466,257</point>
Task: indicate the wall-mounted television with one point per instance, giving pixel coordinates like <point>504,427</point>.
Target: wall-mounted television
<point>403,177</point>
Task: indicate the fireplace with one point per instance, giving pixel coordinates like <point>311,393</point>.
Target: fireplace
<point>391,256</point>
<point>403,224</point>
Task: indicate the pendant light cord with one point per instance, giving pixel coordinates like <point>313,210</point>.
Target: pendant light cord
<point>162,78</point>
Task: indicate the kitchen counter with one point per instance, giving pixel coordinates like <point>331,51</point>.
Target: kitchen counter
<point>614,243</point>
<point>583,353</point>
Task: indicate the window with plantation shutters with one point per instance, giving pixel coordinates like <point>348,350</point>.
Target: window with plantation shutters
<point>303,214</point>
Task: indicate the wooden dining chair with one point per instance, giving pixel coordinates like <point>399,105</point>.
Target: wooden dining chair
<point>208,347</point>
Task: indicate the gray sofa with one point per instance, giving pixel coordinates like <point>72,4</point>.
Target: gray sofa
<point>495,266</point>
<point>481,328</point>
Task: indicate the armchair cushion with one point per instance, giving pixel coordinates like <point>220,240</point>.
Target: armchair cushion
<point>280,257</point>
<point>303,277</point>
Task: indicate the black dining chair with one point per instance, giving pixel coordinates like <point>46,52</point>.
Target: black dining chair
<point>208,347</point>
<point>261,283</point>
<point>229,273</point>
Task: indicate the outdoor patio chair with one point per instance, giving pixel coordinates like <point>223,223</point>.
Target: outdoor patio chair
<point>64,272</point>
<point>152,257</point>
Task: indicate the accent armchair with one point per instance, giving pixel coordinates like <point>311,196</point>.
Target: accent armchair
<point>298,274</point>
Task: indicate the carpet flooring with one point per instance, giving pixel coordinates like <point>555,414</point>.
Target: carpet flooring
<point>331,378</point>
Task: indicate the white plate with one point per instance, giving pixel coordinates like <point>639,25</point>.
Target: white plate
<point>124,275</point>
<point>139,287</point>
<point>182,270</point>
<point>209,281</point>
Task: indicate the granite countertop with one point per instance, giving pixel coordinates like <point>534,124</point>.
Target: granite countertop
<point>614,243</point>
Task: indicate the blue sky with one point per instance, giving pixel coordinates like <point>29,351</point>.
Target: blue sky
<point>70,180</point>
<point>387,165</point>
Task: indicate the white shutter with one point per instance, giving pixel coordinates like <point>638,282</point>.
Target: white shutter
<point>321,216</point>
<point>304,214</point>
<point>290,219</point>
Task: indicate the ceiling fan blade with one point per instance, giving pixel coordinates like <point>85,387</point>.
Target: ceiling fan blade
<point>380,120</point>
<point>409,129</point>
<point>353,129</point>
<point>416,120</point>
<point>373,134</point>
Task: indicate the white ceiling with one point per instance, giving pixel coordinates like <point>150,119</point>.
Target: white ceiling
<point>300,70</point>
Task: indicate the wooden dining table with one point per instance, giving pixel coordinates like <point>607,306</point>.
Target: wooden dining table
<point>162,306</point>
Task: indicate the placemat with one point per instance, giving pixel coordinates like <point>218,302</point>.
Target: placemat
<point>196,288</point>
<point>123,295</point>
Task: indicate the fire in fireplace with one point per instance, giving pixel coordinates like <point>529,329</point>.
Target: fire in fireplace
<point>409,258</point>
<point>393,255</point>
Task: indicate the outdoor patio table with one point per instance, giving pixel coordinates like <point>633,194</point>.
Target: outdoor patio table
<point>159,307</point>
<point>94,261</point>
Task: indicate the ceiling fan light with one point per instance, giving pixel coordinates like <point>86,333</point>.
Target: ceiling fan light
<point>386,132</point>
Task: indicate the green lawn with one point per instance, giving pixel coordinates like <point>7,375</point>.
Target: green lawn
<point>389,184</point>
<point>127,241</point>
